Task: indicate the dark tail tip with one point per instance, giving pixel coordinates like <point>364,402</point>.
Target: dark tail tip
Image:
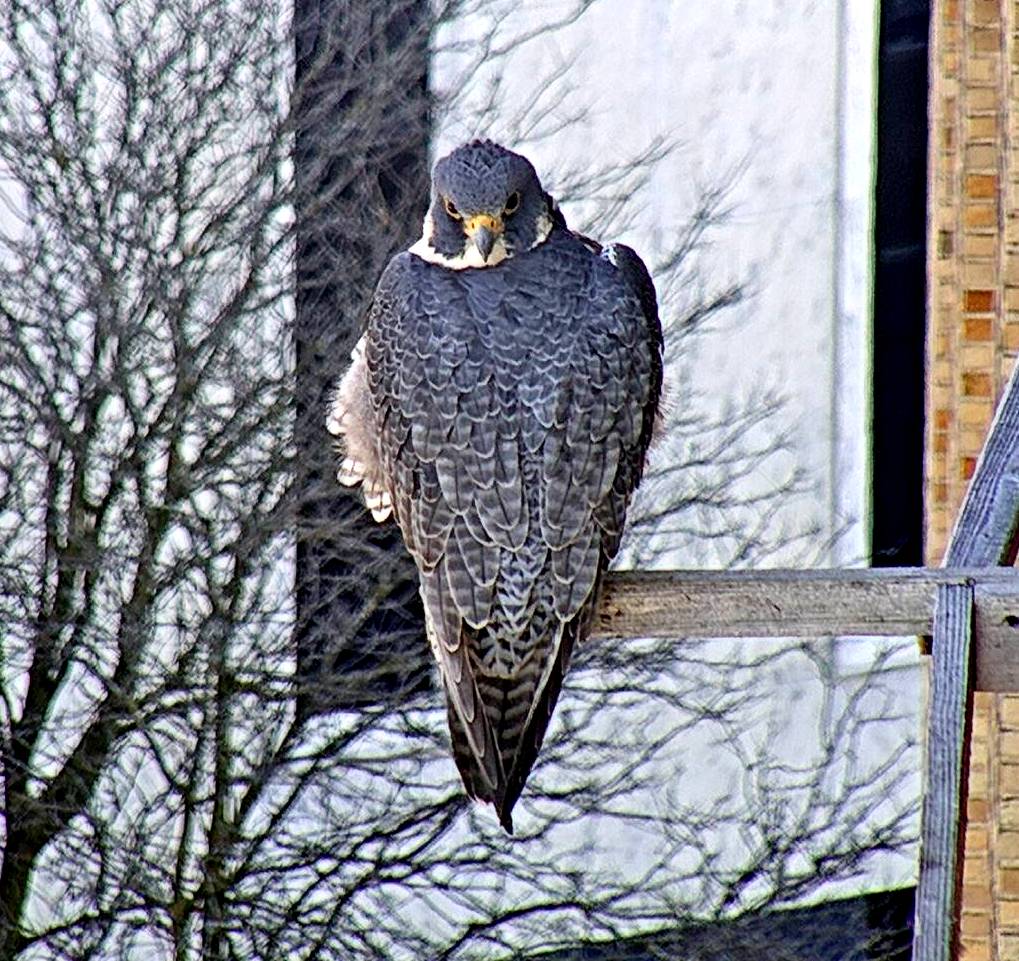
<point>506,819</point>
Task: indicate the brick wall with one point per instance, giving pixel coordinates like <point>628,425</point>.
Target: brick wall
<point>973,339</point>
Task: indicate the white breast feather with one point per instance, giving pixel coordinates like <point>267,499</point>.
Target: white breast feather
<point>350,420</point>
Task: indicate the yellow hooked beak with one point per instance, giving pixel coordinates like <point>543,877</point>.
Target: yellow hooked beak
<point>483,231</point>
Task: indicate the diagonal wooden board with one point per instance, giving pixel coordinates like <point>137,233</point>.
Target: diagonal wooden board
<point>986,532</point>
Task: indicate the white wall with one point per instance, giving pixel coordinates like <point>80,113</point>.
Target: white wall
<point>782,91</point>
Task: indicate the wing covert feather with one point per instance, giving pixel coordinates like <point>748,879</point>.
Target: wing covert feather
<point>513,423</point>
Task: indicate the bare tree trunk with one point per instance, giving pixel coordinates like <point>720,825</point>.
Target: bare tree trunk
<point>163,794</point>
<point>358,201</point>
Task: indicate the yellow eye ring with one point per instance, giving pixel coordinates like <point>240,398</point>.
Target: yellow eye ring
<point>451,209</point>
<point>512,203</point>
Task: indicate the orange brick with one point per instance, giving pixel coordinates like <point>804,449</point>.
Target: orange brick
<point>966,467</point>
<point>980,215</point>
<point>1008,780</point>
<point>982,128</point>
<point>975,949</point>
<point>981,71</point>
<point>984,40</point>
<point>977,871</point>
<point>1008,913</point>
<point>981,185</point>
<point>980,275</point>
<point>978,780</point>
<point>1006,846</point>
<point>978,328</point>
<point>982,100</point>
<point>976,355</point>
<point>981,155</point>
<point>978,301</point>
<point>976,897</point>
<point>974,925</point>
<point>976,840</point>
<point>983,11</point>
<point>980,245</point>
<point>975,383</point>
<point>976,413</point>
<point>1008,882</point>
<point>976,810</point>
<point>942,418</point>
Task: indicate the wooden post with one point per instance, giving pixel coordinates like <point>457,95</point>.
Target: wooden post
<point>937,901</point>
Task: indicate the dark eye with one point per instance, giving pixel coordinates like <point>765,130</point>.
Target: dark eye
<point>451,209</point>
<point>512,203</point>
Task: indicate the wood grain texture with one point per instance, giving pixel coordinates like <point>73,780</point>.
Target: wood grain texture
<point>937,904</point>
<point>777,603</point>
<point>986,531</point>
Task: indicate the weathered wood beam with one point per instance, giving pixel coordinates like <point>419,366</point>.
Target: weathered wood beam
<point>937,901</point>
<point>776,603</point>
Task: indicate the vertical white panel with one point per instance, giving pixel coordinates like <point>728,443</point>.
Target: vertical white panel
<point>782,94</point>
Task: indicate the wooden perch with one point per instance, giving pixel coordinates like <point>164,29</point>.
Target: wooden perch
<point>790,603</point>
<point>970,607</point>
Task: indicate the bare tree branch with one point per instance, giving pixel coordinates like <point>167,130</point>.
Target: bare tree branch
<point>163,794</point>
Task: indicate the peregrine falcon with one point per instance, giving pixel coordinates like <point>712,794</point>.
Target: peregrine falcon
<point>500,405</point>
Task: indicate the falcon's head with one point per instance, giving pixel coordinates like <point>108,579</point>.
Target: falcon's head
<point>487,205</point>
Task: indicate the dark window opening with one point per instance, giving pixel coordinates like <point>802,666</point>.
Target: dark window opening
<point>900,269</point>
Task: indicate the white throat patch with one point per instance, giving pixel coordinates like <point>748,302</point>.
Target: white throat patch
<point>471,257</point>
